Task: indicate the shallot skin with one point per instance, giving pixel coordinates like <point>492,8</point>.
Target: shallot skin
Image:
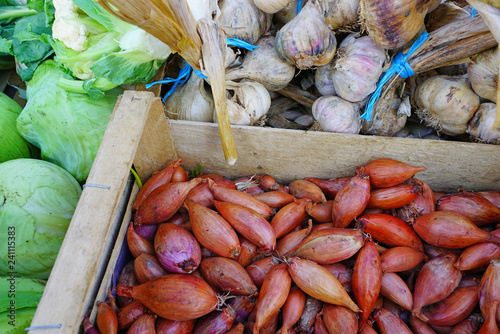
<point>384,173</point>
<point>351,200</point>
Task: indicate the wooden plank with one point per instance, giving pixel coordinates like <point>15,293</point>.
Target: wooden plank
<point>294,154</point>
<point>69,290</point>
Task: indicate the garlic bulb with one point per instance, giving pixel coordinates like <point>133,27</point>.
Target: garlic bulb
<point>357,68</point>
<point>247,102</point>
<point>393,23</point>
<point>202,8</point>
<point>288,13</point>
<point>191,102</point>
<point>336,115</point>
<point>483,74</point>
<point>388,117</point>
<point>264,66</point>
<point>480,126</point>
<point>306,40</point>
<point>243,20</point>
<point>340,13</point>
<point>323,80</point>
<point>446,103</point>
<point>271,6</point>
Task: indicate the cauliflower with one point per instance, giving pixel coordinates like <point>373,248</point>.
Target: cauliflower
<point>66,27</point>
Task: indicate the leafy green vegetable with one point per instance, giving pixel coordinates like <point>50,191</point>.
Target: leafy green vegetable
<point>24,291</point>
<point>11,324</point>
<point>12,144</point>
<point>39,199</point>
<point>67,127</point>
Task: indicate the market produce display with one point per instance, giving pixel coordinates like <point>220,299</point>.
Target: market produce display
<point>374,252</point>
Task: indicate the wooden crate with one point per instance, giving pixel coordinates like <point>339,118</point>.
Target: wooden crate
<point>140,135</point>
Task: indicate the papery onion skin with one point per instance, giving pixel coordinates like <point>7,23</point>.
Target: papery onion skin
<point>259,269</point>
<point>395,289</point>
<point>388,323</point>
<point>127,277</point>
<point>489,288</point>
<point>243,306</point>
<point>319,283</point>
<point>287,244</point>
<point>175,297</point>
<point>367,329</point>
<point>165,326</point>
<point>319,325</point>
<point>106,319</point>
<point>351,200</point>
<point>339,319</point>
<point>236,329</point>
<point>248,252</point>
<point>492,195</point>
<point>293,308</point>
<point>473,206</point>
<point>424,203</point>
<point>478,255</point>
<point>227,275</point>
<point>330,187</point>
<point>147,268</point>
<point>137,244</point>
<point>306,189</point>
<point>216,322</point>
<point>393,197</point>
<point>289,217</point>
<point>397,259</point>
<point>470,325</point>
<point>420,327</point>
<point>342,273</point>
<point>436,280</point>
<point>320,212</point>
<point>275,199</point>
<point>386,173</point>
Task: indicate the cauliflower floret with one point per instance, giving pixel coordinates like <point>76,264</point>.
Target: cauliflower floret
<point>72,33</point>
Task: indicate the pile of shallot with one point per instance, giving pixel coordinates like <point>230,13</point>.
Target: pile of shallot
<point>375,252</point>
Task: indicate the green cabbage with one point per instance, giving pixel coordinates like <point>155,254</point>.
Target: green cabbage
<point>67,127</point>
<point>17,325</point>
<point>38,201</point>
<point>12,144</point>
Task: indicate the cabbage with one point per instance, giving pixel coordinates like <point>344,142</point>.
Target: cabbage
<point>67,127</point>
<point>22,320</point>
<point>12,144</point>
<point>38,201</point>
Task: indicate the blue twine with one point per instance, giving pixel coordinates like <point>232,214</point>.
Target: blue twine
<point>400,67</point>
<point>299,6</point>
<point>241,44</point>
<point>184,75</point>
<point>473,13</point>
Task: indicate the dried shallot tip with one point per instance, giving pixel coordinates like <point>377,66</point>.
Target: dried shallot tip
<point>287,244</point>
<point>478,255</point>
<point>319,283</point>
<point>259,269</point>
<point>312,308</point>
<point>394,288</point>
<point>470,325</point>
<point>248,184</point>
<point>163,202</point>
<point>420,327</point>
<point>247,253</point>
<point>267,182</point>
<point>389,323</point>
<point>240,198</point>
<point>437,279</point>
<point>366,280</point>
<point>137,244</point>
<point>471,205</point>
<point>212,231</point>
<point>88,327</point>
<point>176,296</point>
<point>454,308</point>
<point>386,173</point>
<point>389,230</point>
<point>330,187</point>
<point>450,230</point>
<point>248,223</point>
<point>306,189</point>
<point>351,200</point>
<point>144,324</point>
<point>227,275</point>
<point>491,195</point>
<point>394,197</point>
<point>166,326</point>
<point>339,319</point>
<point>106,319</point>
<point>330,245</point>
<point>128,315</point>
<point>426,201</point>
<point>320,212</point>
<point>292,309</point>
<point>402,258</point>
<point>157,179</point>
<point>272,295</point>
<point>216,321</point>
<point>147,268</point>
<point>342,273</point>
<point>177,249</point>
<point>243,306</point>
<point>289,217</point>
<point>275,199</point>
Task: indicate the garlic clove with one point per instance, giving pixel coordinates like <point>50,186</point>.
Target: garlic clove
<point>264,65</point>
<point>272,6</point>
<point>340,13</point>
<point>243,20</point>
<point>334,114</point>
<point>191,102</point>
<point>323,80</point>
<point>480,126</point>
<point>483,73</point>
<point>358,67</point>
<point>306,40</point>
<point>446,103</point>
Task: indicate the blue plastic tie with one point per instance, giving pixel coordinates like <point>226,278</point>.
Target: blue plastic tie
<point>299,6</point>
<point>400,67</point>
<point>473,13</point>
<point>184,75</point>
<point>241,44</point>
